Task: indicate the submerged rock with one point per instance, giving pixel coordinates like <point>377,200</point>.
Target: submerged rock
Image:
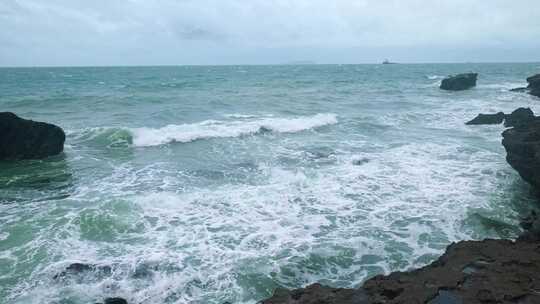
<point>81,268</point>
<point>487,119</point>
<point>114,301</point>
<point>27,139</point>
<point>459,82</point>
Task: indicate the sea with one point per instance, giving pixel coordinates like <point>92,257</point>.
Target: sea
<point>214,184</point>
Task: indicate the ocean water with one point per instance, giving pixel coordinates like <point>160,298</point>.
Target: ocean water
<point>201,184</point>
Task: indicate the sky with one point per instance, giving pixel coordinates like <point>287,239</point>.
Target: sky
<point>179,32</point>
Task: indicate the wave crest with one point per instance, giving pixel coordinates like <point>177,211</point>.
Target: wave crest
<point>145,137</point>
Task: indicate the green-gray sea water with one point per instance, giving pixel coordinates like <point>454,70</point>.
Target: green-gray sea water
<point>201,184</point>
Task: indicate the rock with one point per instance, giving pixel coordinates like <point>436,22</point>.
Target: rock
<point>362,161</point>
<point>533,87</point>
<point>115,301</point>
<point>27,139</point>
<point>522,144</point>
<point>521,116</point>
<point>80,268</point>
<point>534,81</point>
<point>489,271</point>
<point>459,82</point>
<point>531,225</point>
<point>487,119</point>
<point>318,294</point>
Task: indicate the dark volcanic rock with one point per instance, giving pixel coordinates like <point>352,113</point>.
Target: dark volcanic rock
<point>115,301</point>
<point>521,116</point>
<point>459,82</point>
<point>27,139</point>
<point>487,119</point>
<point>318,294</point>
<point>531,224</point>
<point>533,88</point>
<point>522,144</point>
<point>489,271</point>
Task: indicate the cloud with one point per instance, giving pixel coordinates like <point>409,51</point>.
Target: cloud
<point>201,31</point>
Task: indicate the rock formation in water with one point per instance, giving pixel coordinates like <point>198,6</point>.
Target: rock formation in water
<point>533,87</point>
<point>517,117</point>
<point>27,139</point>
<point>487,119</point>
<point>522,144</point>
<point>459,82</point>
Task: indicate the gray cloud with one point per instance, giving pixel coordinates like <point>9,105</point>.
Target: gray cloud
<point>103,32</point>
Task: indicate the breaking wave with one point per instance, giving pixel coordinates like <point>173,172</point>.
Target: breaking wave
<point>145,137</point>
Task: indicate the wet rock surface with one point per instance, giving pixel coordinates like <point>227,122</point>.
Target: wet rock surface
<point>459,82</point>
<point>487,119</point>
<point>522,144</point>
<point>533,86</point>
<point>317,294</point>
<point>489,271</point>
<point>27,139</point>
<point>519,117</point>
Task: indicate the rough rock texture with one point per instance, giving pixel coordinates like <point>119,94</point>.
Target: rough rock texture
<point>317,294</point>
<point>489,271</point>
<point>487,119</point>
<point>521,116</point>
<point>534,85</point>
<point>533,88</point>
<point>114,301</point>
<point>522,144</point>
<point>459,82</point>
<point>27,139</point>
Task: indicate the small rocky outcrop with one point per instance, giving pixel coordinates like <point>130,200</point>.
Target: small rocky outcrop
<point>522,144</point>
<point>459,82</point>
<point>81,268</point>
<point>534,85</point>
<point>487,119</point>
<point>27,139</point>
<point>521,116</point>
<point>533,88</point>
<point>114,301</point>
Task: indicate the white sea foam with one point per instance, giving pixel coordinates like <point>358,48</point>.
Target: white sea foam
<point>433,77</point>
<point>144,137</point>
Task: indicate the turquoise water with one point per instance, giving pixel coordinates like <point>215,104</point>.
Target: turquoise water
<point>213,184</point>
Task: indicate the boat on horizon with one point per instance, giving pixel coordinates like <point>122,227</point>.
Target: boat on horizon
<point>386,61</point>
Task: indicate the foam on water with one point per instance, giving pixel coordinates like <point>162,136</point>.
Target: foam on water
<point>144,137</point>
<point>385,188</point>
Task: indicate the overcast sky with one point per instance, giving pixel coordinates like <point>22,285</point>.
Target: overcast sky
<point>155,32</point>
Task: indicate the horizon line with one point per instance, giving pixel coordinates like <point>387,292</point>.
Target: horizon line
<point>255,64</point>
